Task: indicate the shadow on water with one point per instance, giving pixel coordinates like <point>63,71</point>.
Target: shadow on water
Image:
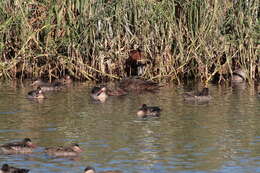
<point>221,135</point>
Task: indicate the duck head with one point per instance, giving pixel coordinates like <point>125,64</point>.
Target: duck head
<point>28,142</point>
<point>39,93</point>
<point>66,80</point>
<point>76,148</point>
<point>89,169</point>
<point>99,93</point>
<point>142,111</point>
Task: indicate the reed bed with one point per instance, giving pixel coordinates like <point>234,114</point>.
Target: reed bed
<point>91,39</point>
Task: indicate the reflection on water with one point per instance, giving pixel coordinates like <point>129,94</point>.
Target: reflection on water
<point>219,136</point>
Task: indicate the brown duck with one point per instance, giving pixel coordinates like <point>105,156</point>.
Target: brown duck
<point>25,146</point>
<point>135,84</point>
<point>200,96</point>
<point>70,151</point>
<point>46,86</point>
<point>148,111</point>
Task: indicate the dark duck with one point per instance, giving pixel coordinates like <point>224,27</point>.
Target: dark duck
<point>10,169</point>
<point>200,96</point>
<point>148,111</point>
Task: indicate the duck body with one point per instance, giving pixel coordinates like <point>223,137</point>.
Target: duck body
<point>69,151</point>
<point>45,86</point>
<point>135,84</point>
<point>146,111</point>
<point>90,169</point>
<point>36,94</point>
<point>201,96</point>
<point>25,146</point>
<point>99,93</point>
<point>116,92</point>
<point>10,169</point>
<point>238,76</point>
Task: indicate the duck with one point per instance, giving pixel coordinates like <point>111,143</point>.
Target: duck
<point>135,84</point>
<point>69,151</point>
<point>90,169</point>
<point>36,94</point>
<point>203,95</point>
<point>10,169</point>
<point>24,146</point>
<point>45,86</point>
<point>146,111</point>
<point>99,93</point>
<point>238,76</point>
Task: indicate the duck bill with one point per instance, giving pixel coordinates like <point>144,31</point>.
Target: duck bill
<point>101,91</point>
<point>79,150</point>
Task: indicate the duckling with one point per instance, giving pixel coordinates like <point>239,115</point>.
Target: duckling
<point>201,96</point>
<point>99,93</point>
<point>146,111</point>
<point>25,146</point>
<point>36,94</point>
<point>90,169</point>
<point>10,169</point>
<point>134,84</point>
<point>238,76</point>
<point>70,151</point>
<point>45,86</point>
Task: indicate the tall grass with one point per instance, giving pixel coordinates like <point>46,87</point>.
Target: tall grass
<point>91,39</point>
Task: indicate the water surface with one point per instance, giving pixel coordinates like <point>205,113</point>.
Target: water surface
<point>220,136</point>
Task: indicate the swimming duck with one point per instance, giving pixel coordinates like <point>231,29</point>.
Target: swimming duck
<point>130,84</point>
<point>146,111</point>
<point>10,169</point>
<point>36,94</point>
<point>201,96</point>
<point>238,76</point>
<point>70,151</point>
<point>90,169</point>
<point>25,146</point>
<point>45,86</point>
<point>99,93</point>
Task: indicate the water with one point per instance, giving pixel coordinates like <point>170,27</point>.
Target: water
<point>221,136</point>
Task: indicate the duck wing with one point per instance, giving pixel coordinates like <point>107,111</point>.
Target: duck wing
<point>14,144</point>
<point>155,109</point>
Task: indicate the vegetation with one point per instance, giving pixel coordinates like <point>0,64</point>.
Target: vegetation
<point>91,39</point>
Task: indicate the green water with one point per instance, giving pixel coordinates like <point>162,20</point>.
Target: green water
<point>220,136</point>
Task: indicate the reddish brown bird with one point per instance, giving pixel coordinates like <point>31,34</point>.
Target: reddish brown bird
<point>135,63</point>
